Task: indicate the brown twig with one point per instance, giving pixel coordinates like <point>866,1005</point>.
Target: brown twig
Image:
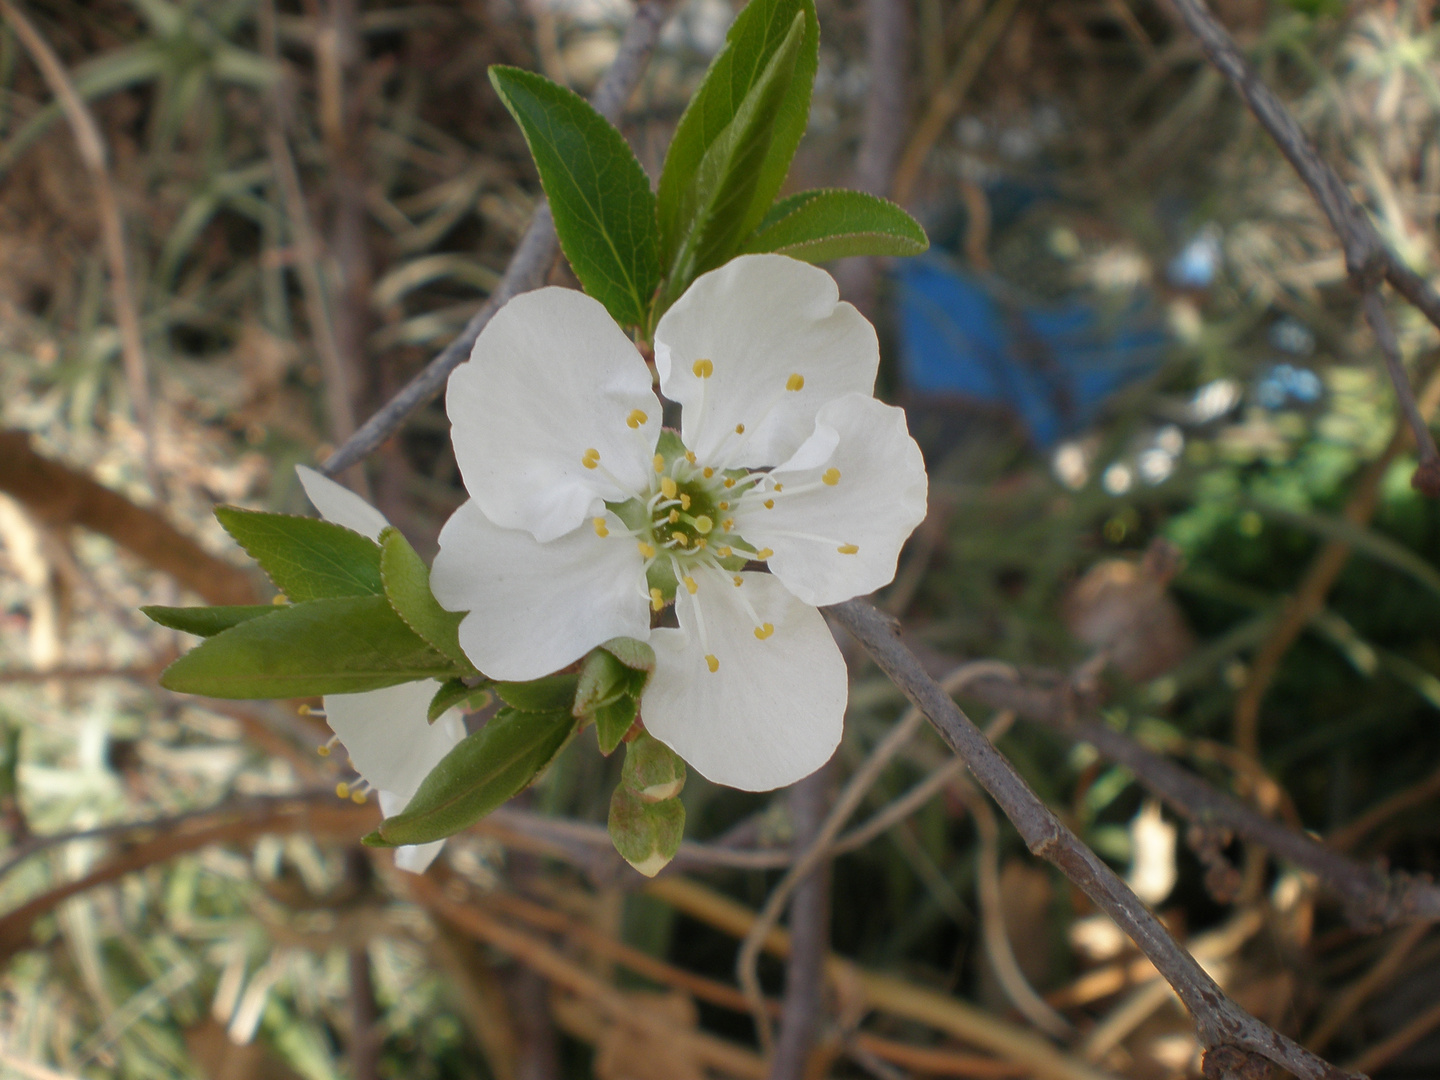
<point>528,266</point>
<point>1232,1037</point>
<point>1368,259</point>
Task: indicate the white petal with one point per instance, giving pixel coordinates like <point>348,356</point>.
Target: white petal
<point>876,505</point>
<point>340,505</point>
<point>772,711</point>
<point>536,607</point>
<point>415,858</point>
<point>760,319</point>
<point>386,734</point>
<point>551,377</point>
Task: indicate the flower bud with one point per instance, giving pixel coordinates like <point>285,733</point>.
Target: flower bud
<point>646,834</point>
<point>652,771</point>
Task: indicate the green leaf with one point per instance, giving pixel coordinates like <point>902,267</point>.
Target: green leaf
<point>601,199</point>
<point>646,834</point>
<point>335,646</point>
<point>733,146</point>
<point>831,223</point>
<point>488,767</point>
<point>306,558</point>
<point>457,693</point>
<point>612,721</point>
<point>407,586</point>
<point>207,621</point>
<point>540,695</point>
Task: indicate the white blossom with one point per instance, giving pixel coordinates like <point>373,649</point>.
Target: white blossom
<point>584,521</point>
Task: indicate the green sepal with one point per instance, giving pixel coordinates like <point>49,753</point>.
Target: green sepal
<point>652,770</point>
<point>457,693</point>
<point>340,645</point>
<point>206,621</point>
<point>613,721</point>
<point>599,194</point>
<point>646,834</point>
<point>306,558</point>
<point>611,681</point>
<point>540,695</point>
<point>832,223</point>
<point>481,772</point>
<point>633,653</point>
<point>406,580</point>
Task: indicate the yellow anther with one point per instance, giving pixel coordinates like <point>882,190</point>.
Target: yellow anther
<point>707,472</point>
<point>703,369</point>
<point>690,585</point>
<point>357,797</point>
<point>690,456</point>
<point>342,789</point>
<point>323,751</point>
<point>601,529</point>
<point>765,630</point>
<point>724,506</point>
<point>848,549</point>
<point>682,539</point>
<point>769,504</point>
<point>635,419</point>
<point>647,550</point>
<point>727,524</point>
<point>591,458</point>
<point>795,382</point>
<point>831,477</point>
<point>738,580</point>
<point>763,554</point>
<point>729,481</point>
<point>668,487</point>
<point>657,600</point>
<point>739,429</point>
<point>659,463</point>
<point>712,663</point>
<point>674,516</point>
<point>703,524</point>
<point>779,487</point>
<point>724,552</point>
<point>684,501</point>
<point>701,543</point>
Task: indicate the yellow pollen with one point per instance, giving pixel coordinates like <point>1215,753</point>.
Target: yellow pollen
<point>342,789</point>
<point>729,481</point>
<point>684,501</point>
<point>657,599</point>
<point>635,419</point>
<point>703,524</point>
<point>712,663</point>
<point>707,472</point>
<point>682,539</point>
<point>659,463</point>
<point>703,369</point>
<point>739,581</point>
<point>357,797</point>
<point>724,506</point>
<point>690,456</point>
<point>323,751</point>
<point>702,542</point>
<point>690,585</point>
<point>831,477</point>
<point>769,504</point>
<point>763,554</point>
<point>723,552</point>
<point>647,550</point>
<point>848,549</point>
<point>591,458</point>
<point>674,516</point>
<point>728,524</point>
<point>795,382</point>
<point>667,487</point>
<point>600,528</point>
<point>764,631</point>
<point>739,429</point>
<point>779,487</point>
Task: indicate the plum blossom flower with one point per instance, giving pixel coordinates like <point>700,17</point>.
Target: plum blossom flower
<point>387,734</point>
<point>585,518</point>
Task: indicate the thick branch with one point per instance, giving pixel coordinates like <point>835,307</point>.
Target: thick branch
<point>528,266</point>
<point>1224,1028</point>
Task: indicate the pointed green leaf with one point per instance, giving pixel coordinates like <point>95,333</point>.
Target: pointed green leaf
<point>335,646</point>
<point>540,695</point>
<point>599,195</point>
<point>646,834</point>
<point>407,586</point>
<point>831,223</point>
<point>207,621</point>
<point>488,767</point>
<point>457,693</point>
<point>733,146</point>
<point>612,721</point>
<point>306,558</point>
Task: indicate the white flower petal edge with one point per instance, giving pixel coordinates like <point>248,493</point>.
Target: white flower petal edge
<point>772,710</point>
<point>535,607</point>
<point>760,325</point>
<point>552,414</point>
<point>339,505</point>
<point>387,734</point>
<point>869,493</point>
